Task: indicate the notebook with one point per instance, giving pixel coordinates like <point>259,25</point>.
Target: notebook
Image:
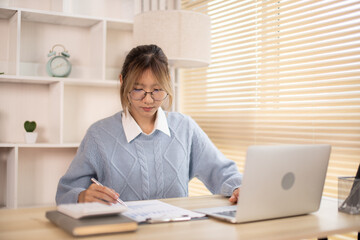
<point>92,225</point>
<point>88,209</point>
<point>278,181</point>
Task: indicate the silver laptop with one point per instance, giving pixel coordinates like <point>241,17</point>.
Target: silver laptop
<point>278,181</point>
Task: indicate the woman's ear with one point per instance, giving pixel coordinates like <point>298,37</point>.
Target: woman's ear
<point>121,79</point>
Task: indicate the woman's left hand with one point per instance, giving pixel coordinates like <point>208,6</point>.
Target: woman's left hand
<point>234,197</point>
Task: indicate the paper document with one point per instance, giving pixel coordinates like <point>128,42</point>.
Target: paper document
<point>143,211</point>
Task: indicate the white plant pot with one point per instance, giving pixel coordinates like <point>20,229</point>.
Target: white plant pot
<point>30,137</point>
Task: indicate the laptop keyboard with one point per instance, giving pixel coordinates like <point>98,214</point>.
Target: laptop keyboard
<point>228,213</point>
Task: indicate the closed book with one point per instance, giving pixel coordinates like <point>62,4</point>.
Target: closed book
<point>92,225</point>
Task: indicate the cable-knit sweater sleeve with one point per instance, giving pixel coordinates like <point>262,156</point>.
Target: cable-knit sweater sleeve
<point>82,168</point>
<point>208,164</point>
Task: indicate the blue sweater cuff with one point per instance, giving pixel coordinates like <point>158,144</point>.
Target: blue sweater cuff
<point>228,187</point>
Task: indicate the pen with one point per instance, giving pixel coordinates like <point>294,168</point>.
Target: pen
<point>98,183</point>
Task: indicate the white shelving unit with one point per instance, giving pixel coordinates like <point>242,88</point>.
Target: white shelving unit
<point>97,34</point>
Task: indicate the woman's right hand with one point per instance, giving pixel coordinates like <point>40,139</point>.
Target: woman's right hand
<point>96,193</point>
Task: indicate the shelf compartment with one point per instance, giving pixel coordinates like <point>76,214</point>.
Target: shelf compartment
<point>93,8</point>
<point>84,42</point>
<point>47,5</point>
<point>119,42</point>
<point>84,105</point>
<point>42,167</point>
<point>8,177</point>
<point>9,28</point>
<point>38,102</point>
<point>103,9</point>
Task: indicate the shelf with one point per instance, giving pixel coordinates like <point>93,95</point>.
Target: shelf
<point>51,80</point>
<point>39,145</point>
<point>81,8</point>
<point>7,13</point>
<point>97,46</point>
<point>69,19</point>
<point>63,109</point>
<point>125,25</point>
<point>25,79</point>
<point>93,83</point>
<point>58,18</point>
<point>98,36</point>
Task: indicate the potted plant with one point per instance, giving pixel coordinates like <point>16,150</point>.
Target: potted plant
<point>30,135</point>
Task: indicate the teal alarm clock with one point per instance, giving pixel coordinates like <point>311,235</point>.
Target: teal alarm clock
<point>58,64</point>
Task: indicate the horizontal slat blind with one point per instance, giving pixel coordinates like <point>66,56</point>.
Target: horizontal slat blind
<point>281,72</point>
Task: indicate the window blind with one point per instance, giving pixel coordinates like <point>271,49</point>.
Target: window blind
<point>281,72</point>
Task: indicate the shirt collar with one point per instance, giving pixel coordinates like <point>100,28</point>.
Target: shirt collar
<point>132,129</point>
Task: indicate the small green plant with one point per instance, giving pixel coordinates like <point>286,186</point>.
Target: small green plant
<point>30,126</point>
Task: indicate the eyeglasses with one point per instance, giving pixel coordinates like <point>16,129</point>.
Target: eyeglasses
<point>140,94</point>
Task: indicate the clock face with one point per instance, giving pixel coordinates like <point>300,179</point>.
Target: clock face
<point>59,66</point>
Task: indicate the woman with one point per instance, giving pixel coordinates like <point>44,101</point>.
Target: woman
<point>142,152</point>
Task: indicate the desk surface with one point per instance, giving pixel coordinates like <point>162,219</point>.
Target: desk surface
<point>30,223</point>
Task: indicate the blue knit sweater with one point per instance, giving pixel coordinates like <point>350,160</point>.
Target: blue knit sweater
<point>150,166</point>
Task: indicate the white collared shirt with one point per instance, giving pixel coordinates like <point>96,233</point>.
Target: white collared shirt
<point>132,129</point>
